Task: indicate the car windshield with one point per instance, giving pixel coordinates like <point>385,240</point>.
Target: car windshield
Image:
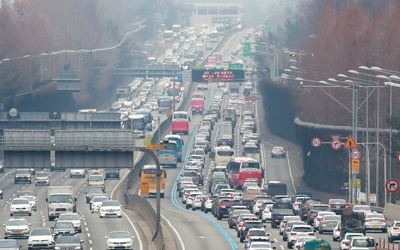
<point>95,191</point>
<point>63,225</point>
<point>18,222</point>
<point>68,239</point>
<point>119,235</point>
<point>110,204</point>
<point>68,217</point>
<point>40,231</point>
<point>100,199</point>
<point>41,174</point>
<point>60,199</point>
<point>257,233</point>
<point>95,178</point>
<point>20,201</point>
<point>364,242</point>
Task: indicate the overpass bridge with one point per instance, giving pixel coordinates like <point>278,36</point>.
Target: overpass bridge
<point>67,140</point>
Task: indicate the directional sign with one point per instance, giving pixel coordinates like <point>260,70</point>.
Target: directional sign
<point>350,143</point>
<point>336,144</point>
<point>235,66</point>
<point>316,142</point>
<point>247,49</point>
<point>156,147</point>
<point>179,77</point>
<point>392,185</point>
<point>355,154</point>
<point>355,166</point>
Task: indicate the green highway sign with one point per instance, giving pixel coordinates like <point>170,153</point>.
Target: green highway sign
<point>235,66</point>
<point>247,49</point>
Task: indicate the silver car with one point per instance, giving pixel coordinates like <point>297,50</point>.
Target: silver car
<point>74,218</point>
<point>375,221</point>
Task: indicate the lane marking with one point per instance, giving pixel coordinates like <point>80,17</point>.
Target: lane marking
<point>175,231</point>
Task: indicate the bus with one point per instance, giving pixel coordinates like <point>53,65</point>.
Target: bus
<point>179,142</point>
<point>276,188</point>
<point>164,103</point>
<point>137,122</point>
<point>168,35</point>
<point>168,157</point>
<point>180,122</point>
<point>197,103</point>
<point>148,117</point>
<point>148,181</point>
<point>242,168</point>
<point>222,155</point>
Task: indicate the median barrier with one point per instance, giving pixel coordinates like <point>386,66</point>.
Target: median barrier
<point>392,211</point>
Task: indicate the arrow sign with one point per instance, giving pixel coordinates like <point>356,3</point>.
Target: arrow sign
<point>336,144</point>
<point>392,185</point>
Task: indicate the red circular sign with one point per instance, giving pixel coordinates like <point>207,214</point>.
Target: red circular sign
<point>392,185</point>
<point>316,142</point>
<point>398,157</point>
<point>336,144</point>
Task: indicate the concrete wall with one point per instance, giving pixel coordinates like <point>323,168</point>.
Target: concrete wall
<point>392,211</point>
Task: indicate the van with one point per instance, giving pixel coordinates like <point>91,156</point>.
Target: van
<point>96,181</point>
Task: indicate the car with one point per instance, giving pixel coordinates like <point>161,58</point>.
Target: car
<point>336,231</point>
<point>256,234</point>
<point>96,202</point>
<point>10,244</point>
<point>63,228</point>
<point>16,228</point>
<point>394,231</point>
<point>112,173</point>
<point>298,231</point>
<point>119,240</point>
<point>285,219</point>
<point>42,179</point>
<point>338,205</point>
<point>344,243</point>
<point>198,201</point>
<point>319,216</point>
<point>1,193</point>
<point>96,180</point>
<point>92,192</point>
<point>1,166</point>
<point>20,206</point>
<point>277,152</point>
<point>302,240</point>
<point>249,224</point>
<point>257,245</point>
<point>68,242</point>
<point>375,221</point>
<point>288,226</point>
<point>22,176</point>
<point>234,215</point>
<point>110,208</point>
<point>241,220</point>
<point>191,197</point>
<point>362,243</point>
<point>32,201</point>
<point>208,204</point>
<point>74,218</point>
<point>266,212</point>
<point>41,238</point>
<point>77,173</point>
<point>328,223</point>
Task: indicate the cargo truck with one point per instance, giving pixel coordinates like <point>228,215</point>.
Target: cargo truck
<point>60,200</point>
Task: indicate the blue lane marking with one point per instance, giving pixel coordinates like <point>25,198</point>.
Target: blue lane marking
<point>174,198</point>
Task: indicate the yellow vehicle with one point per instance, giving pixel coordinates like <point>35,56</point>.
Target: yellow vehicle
<point>148,181</point>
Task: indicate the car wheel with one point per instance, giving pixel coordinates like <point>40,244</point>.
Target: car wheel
<point>205,211</point>
<point>101,216</point>
<point>30,214</point>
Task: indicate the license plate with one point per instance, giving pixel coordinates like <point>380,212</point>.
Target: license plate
<point>375,226</point>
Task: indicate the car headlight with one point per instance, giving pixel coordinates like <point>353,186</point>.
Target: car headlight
<point>57,248</point>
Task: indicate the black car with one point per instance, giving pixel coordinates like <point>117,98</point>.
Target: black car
<point>223,206</point>
<point>22,176</point>
<point>247,225</point>
<point>112,174</point>
<point>94,191</point>
<point>338,205</point>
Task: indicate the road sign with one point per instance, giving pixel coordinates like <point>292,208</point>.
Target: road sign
<point>156,147</point>
<point>247,98</point>
<point>350,143</point>
<point>392,185</point>
<point>316,142</point>
<point>247,49</point>
<point>355,154</point>
<point>247,92</point>
<point>254,98</point>
<point>398,157</point>
<point>179,77</point>
<point>235,66</point>
<point>336,144</point>
<point>147,139</point>
<point>355,166</point>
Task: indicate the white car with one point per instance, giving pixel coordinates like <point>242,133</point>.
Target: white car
<point>298,231</point>
<point>77,172</point>
<point>32,201</point>
<point>41,238</point>
<point>191,197</point>
<point>20,206</point>
<point>285,219</point>
<point>96,202</point>
<point>375,221</point>
<point>394,231</point>
<point>119,240</point>
<point>110,208</point>
<point>344,243</point>
<point>198,201</point>
<point>336,232</point>
<point>74,218</point>
<point>278,152</point>
<point>266,215</point>
<point>42,178</point>
<point>208,205</point>
<point>16,228</point>
<point>258,245</point>
<point>319,217</point>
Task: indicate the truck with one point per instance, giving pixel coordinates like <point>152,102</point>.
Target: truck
<point>96,178</point>
<point>249,196</point>
<point>60,200</point>
<point>197,103</point>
